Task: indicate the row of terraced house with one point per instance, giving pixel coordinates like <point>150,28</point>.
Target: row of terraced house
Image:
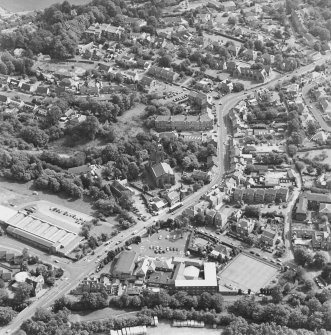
<point>183,122</point>
<point>260,195</point>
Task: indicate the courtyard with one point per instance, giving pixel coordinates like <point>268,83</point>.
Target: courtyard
<point>247,272</point>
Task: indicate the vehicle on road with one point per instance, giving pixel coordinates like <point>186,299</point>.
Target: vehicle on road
<point>176,206</point>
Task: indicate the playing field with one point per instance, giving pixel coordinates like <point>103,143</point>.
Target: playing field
<point>247,272</point>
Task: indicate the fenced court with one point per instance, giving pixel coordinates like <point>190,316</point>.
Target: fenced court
<point>247,272</point>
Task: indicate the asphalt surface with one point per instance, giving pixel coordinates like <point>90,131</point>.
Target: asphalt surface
<point>75,272</point>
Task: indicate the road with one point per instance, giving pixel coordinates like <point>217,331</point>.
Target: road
<point>288,256</point>
<point>315,111</point>
<point>75,272</point>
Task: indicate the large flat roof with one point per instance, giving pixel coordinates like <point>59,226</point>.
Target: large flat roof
<point>42,232</point>
<point>210,279</point>
<point>6,213</point>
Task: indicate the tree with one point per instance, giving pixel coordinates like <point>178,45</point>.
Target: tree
<point>125,202</point>
<point>238,87</point>
<point>302,256</point>
<point>34,135</point>
<point>22,293</point>
<point>133,171</point>
<point>53,115</point>
<point>300,166</point>
<point>89,127</point>
<point>25,254</point>
<point>277,295</point>
<point>232,20</point>
<point>320,260</point>
<point>6,315</point>
<point>292,150</point>
<point>165,61</point>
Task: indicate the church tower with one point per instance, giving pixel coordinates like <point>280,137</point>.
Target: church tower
<point>156,155</point>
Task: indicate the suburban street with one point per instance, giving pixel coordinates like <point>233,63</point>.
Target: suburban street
<point>315,111</point>
<point>75,272</point>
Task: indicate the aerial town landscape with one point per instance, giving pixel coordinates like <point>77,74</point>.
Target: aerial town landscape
<point>165,167</point>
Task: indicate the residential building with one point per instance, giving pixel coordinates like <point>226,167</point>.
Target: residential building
<point>269,237</point>
<point>162,74</point>
<point>282,194</point>
<point>227,6</point>
<point>258,75</point>
<point>301,209</point>
<point>147,83</point>
<point>248,195</point>
<point>36,283</point>
<point>183,122</point>
<point>244,227</point>
<point>172,197</point>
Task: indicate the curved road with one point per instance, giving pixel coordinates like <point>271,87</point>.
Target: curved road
<point>75,272</point>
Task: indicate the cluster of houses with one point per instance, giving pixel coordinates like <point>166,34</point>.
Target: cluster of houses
<point>10,272</point>
<point>305,231</point>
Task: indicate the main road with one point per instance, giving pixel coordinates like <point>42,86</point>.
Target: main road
<point>75,272</point>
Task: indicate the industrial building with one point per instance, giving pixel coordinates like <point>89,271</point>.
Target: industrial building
<point>52,235</point>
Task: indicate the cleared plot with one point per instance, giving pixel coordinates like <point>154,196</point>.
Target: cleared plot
<point>247,272</point>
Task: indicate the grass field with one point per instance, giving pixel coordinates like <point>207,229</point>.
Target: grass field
<point>247,272</point>
<point>29,5</point>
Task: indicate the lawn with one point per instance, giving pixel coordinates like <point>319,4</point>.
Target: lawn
<point>130,123</point>
<point>248,272</point>
<point>322,156</point>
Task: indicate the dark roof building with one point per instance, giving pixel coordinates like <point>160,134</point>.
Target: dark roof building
<point>125,264</point>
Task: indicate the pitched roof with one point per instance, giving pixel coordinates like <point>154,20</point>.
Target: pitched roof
<point>268,233</point>
<point>125,262</point>
<point>162,169</point>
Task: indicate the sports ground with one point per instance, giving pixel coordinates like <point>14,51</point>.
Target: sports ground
<point>247,272</point>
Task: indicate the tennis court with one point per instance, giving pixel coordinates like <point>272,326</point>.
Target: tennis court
<point>247,272</point>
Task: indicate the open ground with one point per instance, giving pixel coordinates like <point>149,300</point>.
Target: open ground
<point>322,156</point>
<point>163,239</point>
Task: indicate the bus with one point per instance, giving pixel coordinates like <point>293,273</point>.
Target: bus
<point>175,206</point>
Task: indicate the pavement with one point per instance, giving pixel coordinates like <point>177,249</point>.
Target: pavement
<point>75,272</point>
